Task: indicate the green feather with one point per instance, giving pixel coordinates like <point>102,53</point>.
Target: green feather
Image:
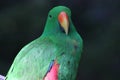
<point>32,62</point>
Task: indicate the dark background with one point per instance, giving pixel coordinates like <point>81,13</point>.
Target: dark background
<point>98,22</point>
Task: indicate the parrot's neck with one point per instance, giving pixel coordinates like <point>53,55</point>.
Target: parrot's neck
<point>53,73</point>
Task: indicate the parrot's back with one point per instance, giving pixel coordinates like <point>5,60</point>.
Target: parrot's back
<point>32,61</point>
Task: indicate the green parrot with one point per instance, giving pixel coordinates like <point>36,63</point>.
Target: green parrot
<point>55,55</point>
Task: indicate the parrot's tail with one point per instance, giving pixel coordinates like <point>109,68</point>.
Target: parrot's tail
<point>2,77</point>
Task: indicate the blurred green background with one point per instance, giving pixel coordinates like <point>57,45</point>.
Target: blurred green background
<point>98,22</point>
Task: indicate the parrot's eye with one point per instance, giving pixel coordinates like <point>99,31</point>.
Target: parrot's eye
<point>50,16</point>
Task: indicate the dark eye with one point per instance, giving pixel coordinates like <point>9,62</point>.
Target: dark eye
<point>50,16</point>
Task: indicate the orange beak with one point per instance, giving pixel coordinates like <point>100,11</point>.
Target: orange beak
<point>63,20</point>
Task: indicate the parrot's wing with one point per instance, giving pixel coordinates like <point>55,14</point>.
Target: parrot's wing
<point>19,56</point>
<point>33,61</point>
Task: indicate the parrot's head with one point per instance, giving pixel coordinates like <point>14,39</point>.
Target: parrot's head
<point>59,21</point>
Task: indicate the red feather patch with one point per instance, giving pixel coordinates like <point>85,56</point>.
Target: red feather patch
<point>53,74</point>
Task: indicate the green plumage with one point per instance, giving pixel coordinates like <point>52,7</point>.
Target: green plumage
<point>32,62</point>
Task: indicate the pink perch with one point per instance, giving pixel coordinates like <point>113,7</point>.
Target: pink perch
<point>2,77</point>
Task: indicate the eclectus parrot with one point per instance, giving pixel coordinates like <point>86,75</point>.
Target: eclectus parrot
<point>55,55</point>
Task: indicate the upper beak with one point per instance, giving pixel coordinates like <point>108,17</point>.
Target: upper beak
<point>63,20</point>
